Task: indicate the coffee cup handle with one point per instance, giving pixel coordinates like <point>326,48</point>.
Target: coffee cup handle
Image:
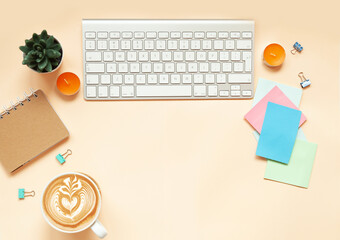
<point>99,229</point>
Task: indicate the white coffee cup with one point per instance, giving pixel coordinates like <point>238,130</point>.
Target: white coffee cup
<point>95,225</point>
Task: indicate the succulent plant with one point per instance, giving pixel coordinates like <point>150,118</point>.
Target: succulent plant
<point>42,52</point>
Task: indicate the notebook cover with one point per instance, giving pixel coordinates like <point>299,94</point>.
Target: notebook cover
<point>28,131</point>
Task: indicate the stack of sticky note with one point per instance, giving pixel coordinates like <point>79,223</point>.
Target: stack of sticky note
<point>276,118</point>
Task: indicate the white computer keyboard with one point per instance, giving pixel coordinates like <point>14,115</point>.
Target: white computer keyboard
<point>168,59</point>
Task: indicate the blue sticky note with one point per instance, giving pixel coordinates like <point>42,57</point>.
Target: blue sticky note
<point>279,130</point>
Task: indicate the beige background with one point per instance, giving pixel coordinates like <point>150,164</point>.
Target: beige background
<point>180,169</point>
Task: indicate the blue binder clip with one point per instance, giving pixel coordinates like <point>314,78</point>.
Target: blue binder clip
<point>22,194</point>
<point>62,157</point>
<point>304,82</point>
<point>297,48</point>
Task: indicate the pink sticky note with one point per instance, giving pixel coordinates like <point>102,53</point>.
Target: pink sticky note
<point>256,115</point>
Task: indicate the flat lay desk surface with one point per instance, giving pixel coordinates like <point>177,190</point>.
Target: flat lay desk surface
<point>180,169</point>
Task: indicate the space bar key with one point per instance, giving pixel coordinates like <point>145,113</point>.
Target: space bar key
<point>163,91</point>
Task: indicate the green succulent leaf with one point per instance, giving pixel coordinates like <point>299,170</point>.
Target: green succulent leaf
<point>55,63</point>
<point>29,43</point>
<point>49,41</point>
<point>56,47</point>
<point>35,38</point>
<point>50,53</point>
<point>24,49</point>
<point>48,67</point>
<point>42,42</point>
<point>44,35</point>
<point>32,65</point>
<point>43,63</point>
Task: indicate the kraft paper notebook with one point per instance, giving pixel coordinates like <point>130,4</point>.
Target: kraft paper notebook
<point>27,129</point>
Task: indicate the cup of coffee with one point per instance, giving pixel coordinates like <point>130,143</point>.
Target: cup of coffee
<point>71,203</point>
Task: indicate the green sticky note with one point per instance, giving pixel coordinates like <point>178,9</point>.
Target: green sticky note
<point>298,171</point>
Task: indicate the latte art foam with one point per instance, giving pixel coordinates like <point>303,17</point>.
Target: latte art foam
<point>71,202</point>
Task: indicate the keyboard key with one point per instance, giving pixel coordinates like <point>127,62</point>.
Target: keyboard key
<point>187,35</point>
<point>164,91</point>
<point>163,35</point>
<point>114,44</point>
<point>128,79</point>
<point>192,67</point>
<point>117,79</point>
<point>166,56</point>
<point>239,78</point>
<point>155,56</point>
<point>139,34</point>
<point>246,93</point>
<point>175,78</point>
<point>108,56</point>
<point>223,34</point>
<point>187,78</point>
<point>102,35</point>
<point>212,91</point>
<point>175,35</point>
<point>143,56</point>
<point>91,91</point>
<point>230,44</point>
<point>224,93</point>
<point>169,67</point>
<point>224,56</point>
<point>212,56</point>
<point>92,79</point>
<point>114,91</point>
<point>235,56</point>
<point>149,45</point>
<point>160,44</point>
<point>95,67</point>
<point>128,91</point>
<point>178,56</point>
<point>152,79</point>
<point>221,78</point>
<point>102,45</point>
<point>200,91</point>
<point>127,35</point>
<point>235,35</point>
<point>206,44</point>
<point>120,56</point>
<point>226,67</point>
<point>122,67</point>
<point>151,35</point>
<point>137,44</point>
<point>247,34</point>
<point>209,78</point>
<point>181,67</point>
<point>115,35</point>
<point>184,44</point>
<point>146,67</point>
<point>90,35</point>
<point>195,44</point>
<point>243,44</point>
<point>211,34</point>
<point>172,44</point>
<point>134,67</point>
<point>204,67</point>
<point>189,56</point>
<point>103,91</point>
<point>246,57</point>
<point>125,45</point>
<point>105,79</point>
<point>93,56</point>
<point>218,44</point>
<point>164,79</point>
<point>238,67</point>
<point>111,67</point>
<point>235,93</point>
<point>140,79</point>
<point>158,67</point>
<point>132,56</point>
<point>235,87</point>
<point>90,45</point>
<point>201,56</point>
<point>215,67</point>
<point>199,35</point>
<point>198,78</point>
